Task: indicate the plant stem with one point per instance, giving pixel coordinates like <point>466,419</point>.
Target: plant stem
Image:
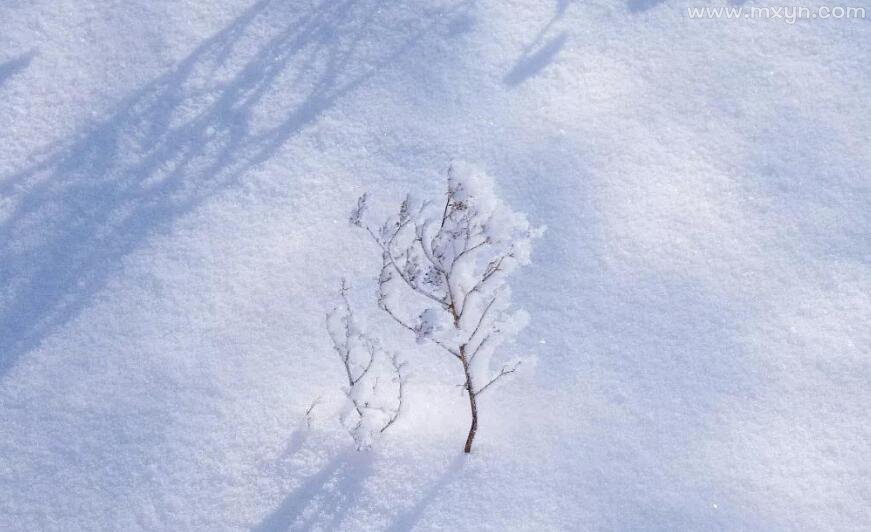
<point>473,400</point>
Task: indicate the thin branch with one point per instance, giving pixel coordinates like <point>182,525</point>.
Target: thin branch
<point>450,195</point>
<point>397,367</point>
<point>450,300</point>
<point>469,250</point>
<point>388,254</point>
<point>343,350</point>
<point>357,407</point>
<point>308,411</point>
<point>481,319</point>
<point>354,341</point>
<point>398,320</point>
<point>480,345</point>
<point>370,348</point>
<point>506,370</point>
<point>449,295</point>
<point>492,269</point>
<point>427,252</point>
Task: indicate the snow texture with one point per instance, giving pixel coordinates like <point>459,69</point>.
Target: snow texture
<point>175,181</point>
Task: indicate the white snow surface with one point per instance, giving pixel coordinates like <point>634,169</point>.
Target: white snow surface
<point>175,183</point>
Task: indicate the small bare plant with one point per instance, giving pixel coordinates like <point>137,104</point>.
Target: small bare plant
<point>455,256</point>
<point>375,377</point>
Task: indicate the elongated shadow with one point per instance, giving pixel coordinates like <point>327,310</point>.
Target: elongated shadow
<point>538,54</point>
<point>529,66</point>
<point>14,66</point>
<point>639,6</point>
<point>328,495</point>
<point>408,519</point>
<point>183,138</point>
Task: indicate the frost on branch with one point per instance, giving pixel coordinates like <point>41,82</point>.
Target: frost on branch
<point>375,378</point>
<point>454,257</point>
<point>358,211</point>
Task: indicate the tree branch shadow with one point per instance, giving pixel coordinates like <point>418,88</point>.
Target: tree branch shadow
<point>183,138</point>
<point>327,495</point>
<point>639,6</point>
<point>14,66</point>
<point>530,65</point>
<point>536,56</point>
<point>408,519</point>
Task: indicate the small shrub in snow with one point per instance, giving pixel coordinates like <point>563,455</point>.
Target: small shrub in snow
<point>455,257</point>
<point>375,378</point>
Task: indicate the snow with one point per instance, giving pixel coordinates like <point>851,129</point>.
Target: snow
<point>175,184</point>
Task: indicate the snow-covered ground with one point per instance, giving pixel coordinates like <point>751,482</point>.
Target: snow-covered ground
<point>175,182</point>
